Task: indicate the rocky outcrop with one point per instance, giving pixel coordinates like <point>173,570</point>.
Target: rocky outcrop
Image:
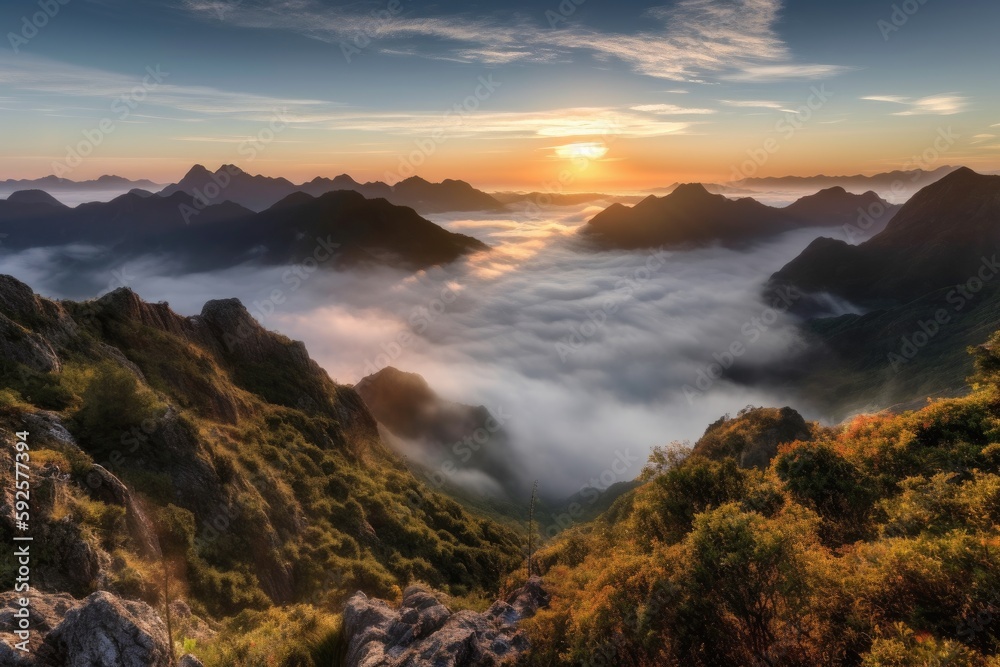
<point>48,318</point>
<point>26,347</point>
<point>99,631</point>
<point>423,632</point>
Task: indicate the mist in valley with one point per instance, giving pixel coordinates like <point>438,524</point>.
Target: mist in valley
<point>587,359</point>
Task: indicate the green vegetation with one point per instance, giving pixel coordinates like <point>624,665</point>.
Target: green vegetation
<point>265,484</point>
<point>876,544</point>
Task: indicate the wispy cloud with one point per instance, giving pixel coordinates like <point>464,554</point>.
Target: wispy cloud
<point>733,40</point>
<point>944,104</point>
<point>40,77</point>
<point>785,72</point>
<point>563,122</point>
<point>670,110</point>
<point>754,104</point>
<point>61,81</point>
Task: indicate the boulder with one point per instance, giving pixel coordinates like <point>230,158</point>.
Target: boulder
<point>106,631</point>
<point>100,631</point>
<point>423,632</point>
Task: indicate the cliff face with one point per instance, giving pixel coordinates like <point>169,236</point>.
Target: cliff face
<point>221,450</point>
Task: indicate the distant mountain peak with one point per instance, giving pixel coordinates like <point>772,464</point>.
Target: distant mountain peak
<point>692,191</point>
<point>413,180</point>
<point>34,197</point>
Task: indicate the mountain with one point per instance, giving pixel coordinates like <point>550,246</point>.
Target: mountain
<point>218,456</point>
<point>230,183</point>
<point>901,181</point>
<point>340,226</point>
<point>33,197</point>
<point>835,207</point>
<point>65,189</point>
<point>917,295</point>
<point>30,204</point>
<point>130,219</point>
<point>458,445</point>
<point>448,195</point>
<point>372,190</point>
<point>261,192</point>
<point>691,215</point>
<point>937,239</point>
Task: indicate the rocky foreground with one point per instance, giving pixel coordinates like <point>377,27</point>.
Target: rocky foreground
<point>425,633</point>
<point>104,630</point>
<point>101,630</point>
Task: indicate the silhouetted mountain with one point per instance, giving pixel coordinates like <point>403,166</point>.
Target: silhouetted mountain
<point>62,186</point>
<point>33,197</point>
<point>691,215</point>
<point>937,239</point>
<point>128,219</point>
<point>338,229</point>
<point>261,192</point>
<point>448,195</point>
<point>342,227</point>
<point>837,207</point>
<point>460,445</point>
<point>908,180</point>
<point>372,190</point>
<point>230,183</point>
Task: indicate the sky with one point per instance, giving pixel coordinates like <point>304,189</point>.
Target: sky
<point>576,95</point>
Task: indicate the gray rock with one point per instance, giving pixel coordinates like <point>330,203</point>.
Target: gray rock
<point>106,631</point>
<point>424,633</point>
<point>26,347</point>
<point>188,660</point>
<point>99,631</point>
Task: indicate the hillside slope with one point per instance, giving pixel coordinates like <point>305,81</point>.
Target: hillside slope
<point>220,451</point>
<point>870,544</point>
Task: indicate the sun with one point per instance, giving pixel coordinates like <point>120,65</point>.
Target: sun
<point>589,150</point>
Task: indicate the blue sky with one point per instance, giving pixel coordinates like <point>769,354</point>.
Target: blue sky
<point>645,93</point>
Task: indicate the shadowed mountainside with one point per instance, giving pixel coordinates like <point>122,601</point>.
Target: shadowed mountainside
<point>258,193</point>
<point>691,215</point>
<point>337,229</point>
